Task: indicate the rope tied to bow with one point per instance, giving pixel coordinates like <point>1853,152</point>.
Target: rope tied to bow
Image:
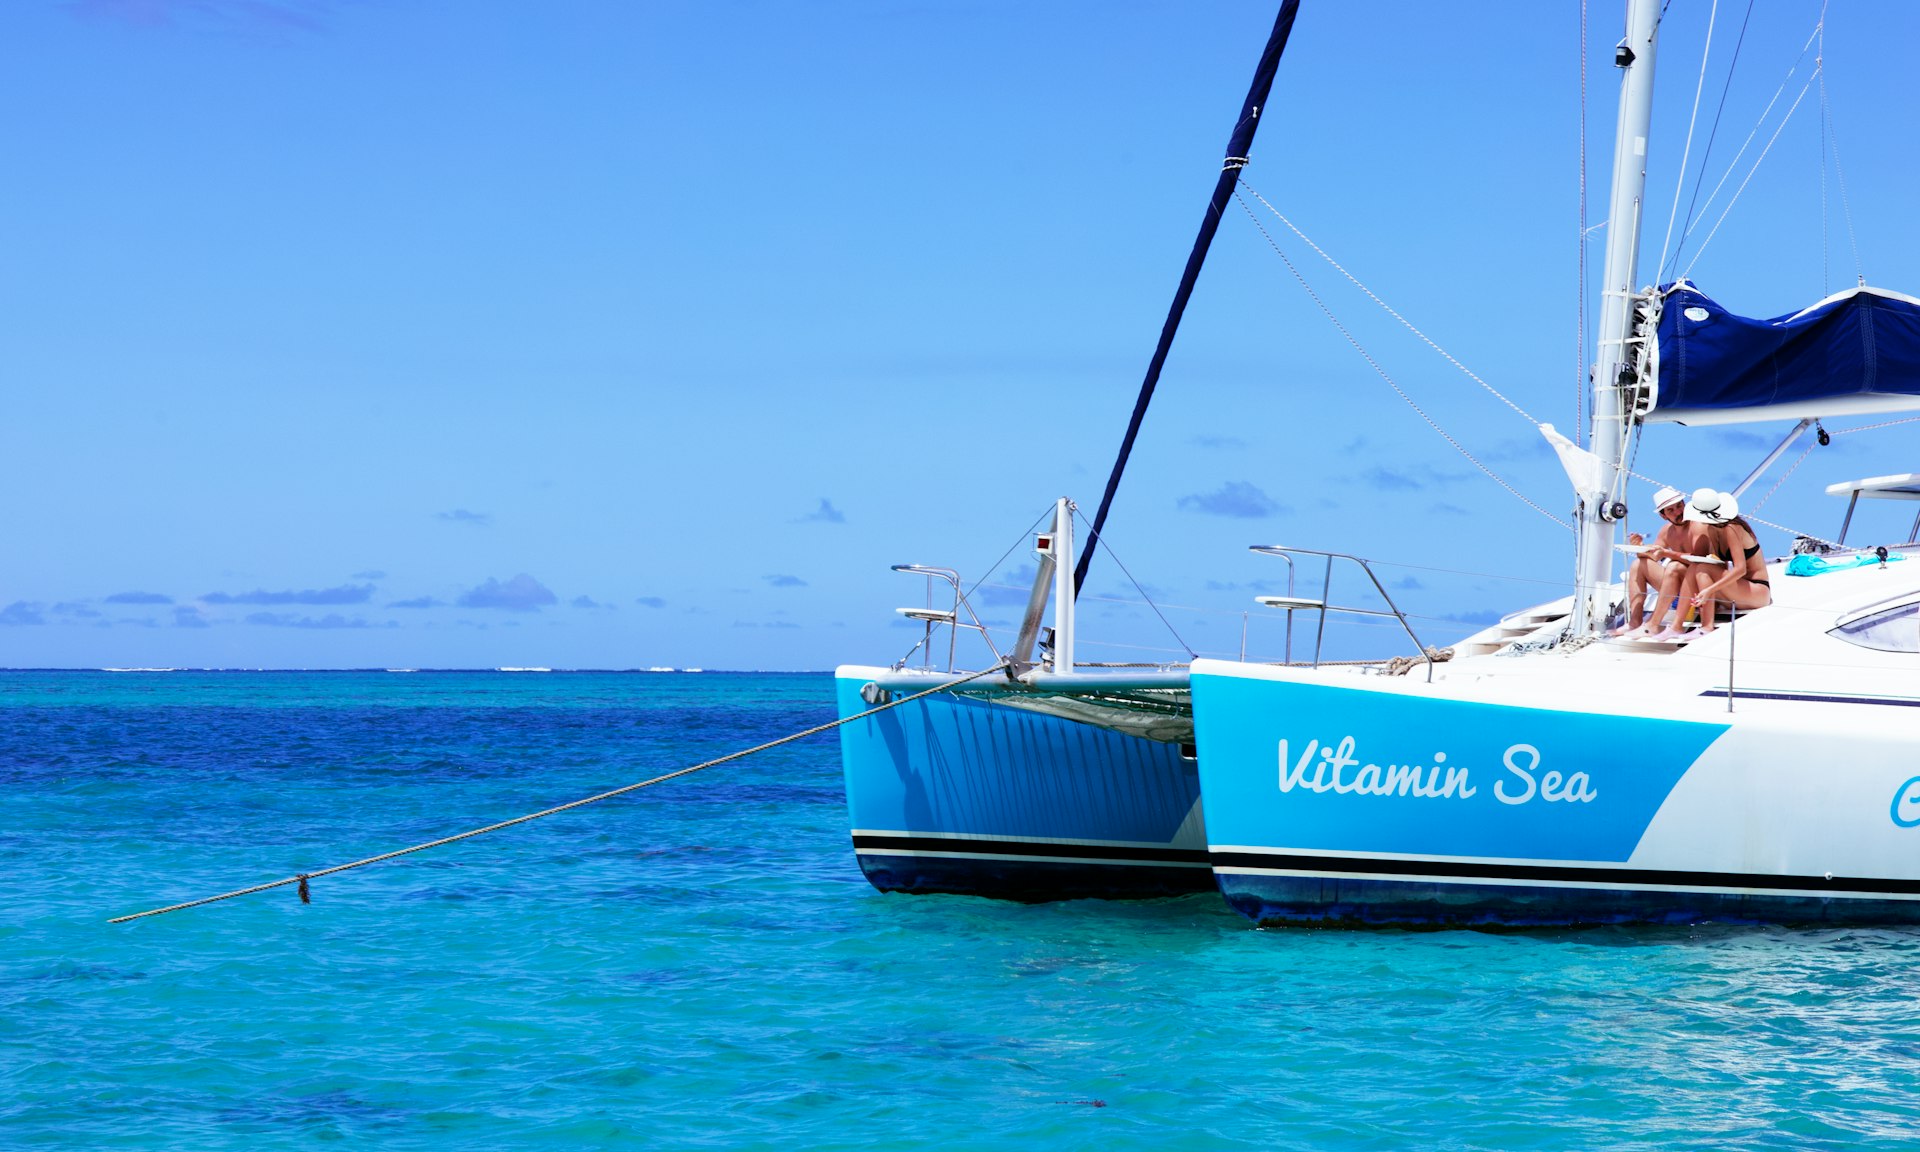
<point>301,878</point>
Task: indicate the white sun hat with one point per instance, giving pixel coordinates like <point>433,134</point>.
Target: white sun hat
<point>1711,507</point>
<point>1667,497</point>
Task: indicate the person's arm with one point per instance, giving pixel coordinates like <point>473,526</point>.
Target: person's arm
<point>1671,544</point>
<point>1706,594</point>
<point>1732,572</point>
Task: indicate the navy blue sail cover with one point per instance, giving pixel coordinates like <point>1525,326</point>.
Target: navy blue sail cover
<point>1863,341</point>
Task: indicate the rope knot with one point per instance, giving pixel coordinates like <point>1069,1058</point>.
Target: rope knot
<point>306,895</point>
<point>1233,163</point>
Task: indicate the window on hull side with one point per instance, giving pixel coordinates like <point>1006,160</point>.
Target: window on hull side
<point>1895,629</point>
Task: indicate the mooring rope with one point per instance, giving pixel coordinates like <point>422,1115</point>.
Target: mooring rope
<point>302,878</point>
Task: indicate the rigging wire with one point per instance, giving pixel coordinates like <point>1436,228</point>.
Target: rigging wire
<point>1797,460</point>
<point>1832,433</point>
<point>1003,556</point>
<point>1735,162</point>
<point>1830,138</point>
<point>1699,176</point>
<point>1355,281</point>
<point>1758,160</point>
<point>1382,372</point>
<point>1581,381</point>
<point>1744,145</point>
<point>1826,242</point>
<point>1746,515</point>
<point>967,596</point>
<point>1102,542</point>
<point>1700,86</point>
<point>1795,532</point>
<point>1874,427</point>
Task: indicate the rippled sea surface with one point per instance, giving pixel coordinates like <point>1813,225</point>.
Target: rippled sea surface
<point>700,964</point>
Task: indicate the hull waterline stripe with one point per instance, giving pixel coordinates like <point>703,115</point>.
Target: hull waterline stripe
<point>1465,872</point>
<point>1003,859</point>
<point>1027,850</point>
<point>1812,697</point>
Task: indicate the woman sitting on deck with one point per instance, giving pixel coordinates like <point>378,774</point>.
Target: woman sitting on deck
<point>1743,582</point>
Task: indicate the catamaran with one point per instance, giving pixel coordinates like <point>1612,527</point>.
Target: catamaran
<point>1058,779</point>
<point>1547,772</point>
<point>1552,774</point>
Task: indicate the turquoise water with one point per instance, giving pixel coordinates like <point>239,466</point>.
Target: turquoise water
<point>700,965</point>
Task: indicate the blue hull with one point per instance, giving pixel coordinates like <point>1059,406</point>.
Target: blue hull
<point>957,795</point>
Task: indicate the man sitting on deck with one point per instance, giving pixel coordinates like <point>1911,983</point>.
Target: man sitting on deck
<point>1650,569</point>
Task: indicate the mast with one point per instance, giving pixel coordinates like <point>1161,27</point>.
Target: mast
<point>1594,551</point>
<point>1237,148</point>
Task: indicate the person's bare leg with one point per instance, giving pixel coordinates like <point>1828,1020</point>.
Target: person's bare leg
<point>1709,607</point>
<point>1636,596</point>
<point>1670,580</point>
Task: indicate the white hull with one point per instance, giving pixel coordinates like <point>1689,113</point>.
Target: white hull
<point>1609,784</point>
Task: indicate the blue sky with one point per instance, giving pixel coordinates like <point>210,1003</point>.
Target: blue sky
<point>382,333</point>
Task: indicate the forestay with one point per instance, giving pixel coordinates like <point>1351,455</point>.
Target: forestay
<point>1855,352</point>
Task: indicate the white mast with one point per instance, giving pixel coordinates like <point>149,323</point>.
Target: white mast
<point>1595,549</point>
<point>1063,585</point>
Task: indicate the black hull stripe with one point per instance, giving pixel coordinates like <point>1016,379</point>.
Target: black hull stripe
<point>908,845</point>
<point>1429,869</point>
<point>1812,698</point>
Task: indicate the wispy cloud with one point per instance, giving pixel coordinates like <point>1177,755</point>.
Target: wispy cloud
<point>1409,479</point>
<point>1744,440</point>
<point>1217,443</point>
<point>1483,617</point>
<point>780,580</point>
<point>462,516</point>
<point>1238,499</point>
<point>21,612</point>
<point>1408,584</point>
<point>301,17</point>
<point>344,594</point>
<point>417,602</point>
<point>1516,448</point>
<point>371,574</point>
<point>70,608</point>
<point>521,594</point>
<point>826,513</point>
<point>1390,480</point>
<point>139,598</point>
<point>765,624</point>
<point>1010,588</point>
<point>330,621</point>
<point>190,616</point>
<point>590,602</point>
<point>650,601</point>
<point>1442,508</point>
